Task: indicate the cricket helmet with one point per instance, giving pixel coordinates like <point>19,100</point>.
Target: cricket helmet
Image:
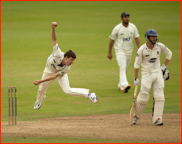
<point>151,32</point>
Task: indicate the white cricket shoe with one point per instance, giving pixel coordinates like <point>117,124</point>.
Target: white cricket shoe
<point>158,122</point>
<point>135,119</point>
<point>92,97</point>
<point>37,104</point>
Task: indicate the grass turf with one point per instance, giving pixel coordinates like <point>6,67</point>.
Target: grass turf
<point>83,27</point>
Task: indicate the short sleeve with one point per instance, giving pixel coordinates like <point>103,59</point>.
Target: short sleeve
<point>113,35</point>
<point>55,48</point>
<point>138,58</point>
<point>166,51</point>
<point>136,33</point>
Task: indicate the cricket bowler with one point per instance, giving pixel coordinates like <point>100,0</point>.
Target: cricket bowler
<point>58,64</point>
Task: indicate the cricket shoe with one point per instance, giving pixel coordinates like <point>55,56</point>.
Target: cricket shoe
<point>135,119</point>
<point>125,89</point>
<point>158,122</point>
<point>37,104</point>
<point>92,97</point>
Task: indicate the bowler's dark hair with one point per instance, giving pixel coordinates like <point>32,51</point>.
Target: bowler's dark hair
<point>69,54</point>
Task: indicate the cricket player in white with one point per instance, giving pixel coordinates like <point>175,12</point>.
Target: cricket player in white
<point>58,64</point>
<point>122,38</point>
<point>152,75</point>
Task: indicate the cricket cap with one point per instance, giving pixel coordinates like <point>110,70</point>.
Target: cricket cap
<point>124,14</point>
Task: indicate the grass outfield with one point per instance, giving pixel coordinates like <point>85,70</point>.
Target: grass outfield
<point>83,27</point>
<point>64,140</point>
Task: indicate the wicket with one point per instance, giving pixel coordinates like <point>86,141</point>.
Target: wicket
<point>12,107</point>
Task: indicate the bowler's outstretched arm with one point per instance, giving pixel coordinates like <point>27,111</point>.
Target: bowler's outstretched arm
<point>51,77</point>
<point>53,33</point>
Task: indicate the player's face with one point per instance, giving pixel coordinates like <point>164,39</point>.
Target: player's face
<point>153,39</point>
<point>69,61</point>
<point>125,19</point>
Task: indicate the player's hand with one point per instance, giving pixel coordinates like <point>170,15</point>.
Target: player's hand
<point>136,81</point>
<point>109,56</point>
<point>36,82</point>
<point>54,24</point>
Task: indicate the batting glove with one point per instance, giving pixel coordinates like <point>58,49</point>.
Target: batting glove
<point>136,81</point>
<point>166,75</point>
<point>163,67</point>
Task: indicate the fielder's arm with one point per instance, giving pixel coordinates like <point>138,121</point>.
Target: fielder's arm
<point>111,43</point>
<point>51,77</point>
<point>137,40</point>
<point>53,33</point>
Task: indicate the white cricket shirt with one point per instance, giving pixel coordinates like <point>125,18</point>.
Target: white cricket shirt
<point>150,59</point>
<point>123,38</point>
<point>54,62</point>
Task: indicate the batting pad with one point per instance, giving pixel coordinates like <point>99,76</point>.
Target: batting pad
<point>158,110</point>
<point>139,108</point>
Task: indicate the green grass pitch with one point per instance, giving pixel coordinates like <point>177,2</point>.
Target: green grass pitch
<point>83,27</point>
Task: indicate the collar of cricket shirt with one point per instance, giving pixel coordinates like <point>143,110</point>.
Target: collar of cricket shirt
<point>59,63</point>
<point>155,47</point>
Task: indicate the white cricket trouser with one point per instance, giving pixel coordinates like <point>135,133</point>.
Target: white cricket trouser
<point>123,62</point>
<point>156,81</point>
<point>64,83</point>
